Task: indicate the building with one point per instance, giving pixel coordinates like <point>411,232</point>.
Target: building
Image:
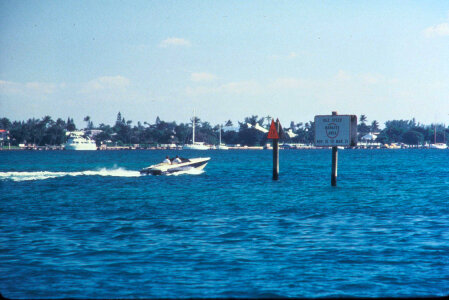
<point>4,137</point>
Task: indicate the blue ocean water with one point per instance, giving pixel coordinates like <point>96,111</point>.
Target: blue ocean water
<point>87,225</point>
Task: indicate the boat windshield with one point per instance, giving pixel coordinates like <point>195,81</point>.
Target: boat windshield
<point>183,160</point>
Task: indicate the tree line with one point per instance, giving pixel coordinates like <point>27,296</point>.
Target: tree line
<point>46,131</point>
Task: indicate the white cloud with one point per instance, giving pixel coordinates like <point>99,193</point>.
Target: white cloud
<point>242,87</point>
<point>200,90</point>
<point>28,88</point>
<point>437,30</point>
<point>174,42</point>
<point>372,78</point>
<point>9,87</point>
<point>287,83</point>
<point>324,91</point>
<point>291,55</point>
<point>201,77</point>
<point>249,87</point>
<point>343,76</point>
<point>41,88</point>
<point>111,83</point>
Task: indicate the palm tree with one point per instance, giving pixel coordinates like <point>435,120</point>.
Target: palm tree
<point>363,119</point>
<point>292,125</point>
<point>87,119</point>
<point>374,126</point>
<point>251,120</point>
<point>268,119</point>
<point>5,123</point>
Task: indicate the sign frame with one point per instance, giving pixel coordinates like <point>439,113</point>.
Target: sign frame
<point>273,133</point>
<point>328,131</point>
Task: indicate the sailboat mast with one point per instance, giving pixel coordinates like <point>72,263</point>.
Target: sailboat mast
<point>193,128</point>
<point>434,134</point>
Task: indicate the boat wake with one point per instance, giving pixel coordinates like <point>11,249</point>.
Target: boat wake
<point>118,172</point>
<point>41,175</point>
<point>192,171</point>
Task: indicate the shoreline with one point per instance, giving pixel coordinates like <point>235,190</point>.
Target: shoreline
<point>128,148</point>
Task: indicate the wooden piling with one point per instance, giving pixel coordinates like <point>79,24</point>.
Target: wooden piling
<point>275,159</point>
<point>274,134</point>
<point>276,155</point>
<point>334,166</point>
<point>334,161</point>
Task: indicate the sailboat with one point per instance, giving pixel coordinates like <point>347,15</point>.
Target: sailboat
<point>220,145</point>
<point>195,145</point>
<point>436,145</point>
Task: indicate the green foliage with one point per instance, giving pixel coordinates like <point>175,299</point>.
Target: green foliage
<point>230,137</point>
<point>413,137</point>
<point>374,126</point>
<point>46,131</point>
<point>41,132</point>
<point>70,125</point>
<point>5,123</point>
<point>362,128</point>
<point>363,119</point>
<point>250,136</point>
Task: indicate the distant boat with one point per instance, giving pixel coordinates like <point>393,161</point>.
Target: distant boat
<point>221,146</point>
<point>393,146</point>
<point>440,146</point>
<point>77,141</point>
<point>195,145</point>
<point>436,145</point>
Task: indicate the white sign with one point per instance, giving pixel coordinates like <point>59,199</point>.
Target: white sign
<point>335,130</point>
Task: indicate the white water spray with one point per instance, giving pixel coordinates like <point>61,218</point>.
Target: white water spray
<point>192,171</point>
<point>116,172</point>
<point>41,175</point>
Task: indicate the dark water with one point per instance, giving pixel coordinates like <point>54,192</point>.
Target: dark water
<point>85,224</point>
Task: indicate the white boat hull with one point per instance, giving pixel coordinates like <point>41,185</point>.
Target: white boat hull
<point>86,146</point>
<point>82,148</point>
<point>440,146</point>
<point>195,147</point>
<point>78,141</point>
<point>165,168</point>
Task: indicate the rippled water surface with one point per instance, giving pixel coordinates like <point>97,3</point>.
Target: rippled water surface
<point>86,224</point>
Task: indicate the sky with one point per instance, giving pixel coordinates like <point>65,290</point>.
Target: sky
<point>290,60</point>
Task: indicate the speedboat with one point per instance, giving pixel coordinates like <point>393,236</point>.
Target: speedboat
<point>186,164</point>
<point>77,140</point>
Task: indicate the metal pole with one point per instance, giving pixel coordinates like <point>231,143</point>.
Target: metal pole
<point>334,161</point>
<point>276,155</point>
<point>334,166</point>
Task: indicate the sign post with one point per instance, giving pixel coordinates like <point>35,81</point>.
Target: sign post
<point>273,134</point>
<point>333,131</point>
<point>334,161</point>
